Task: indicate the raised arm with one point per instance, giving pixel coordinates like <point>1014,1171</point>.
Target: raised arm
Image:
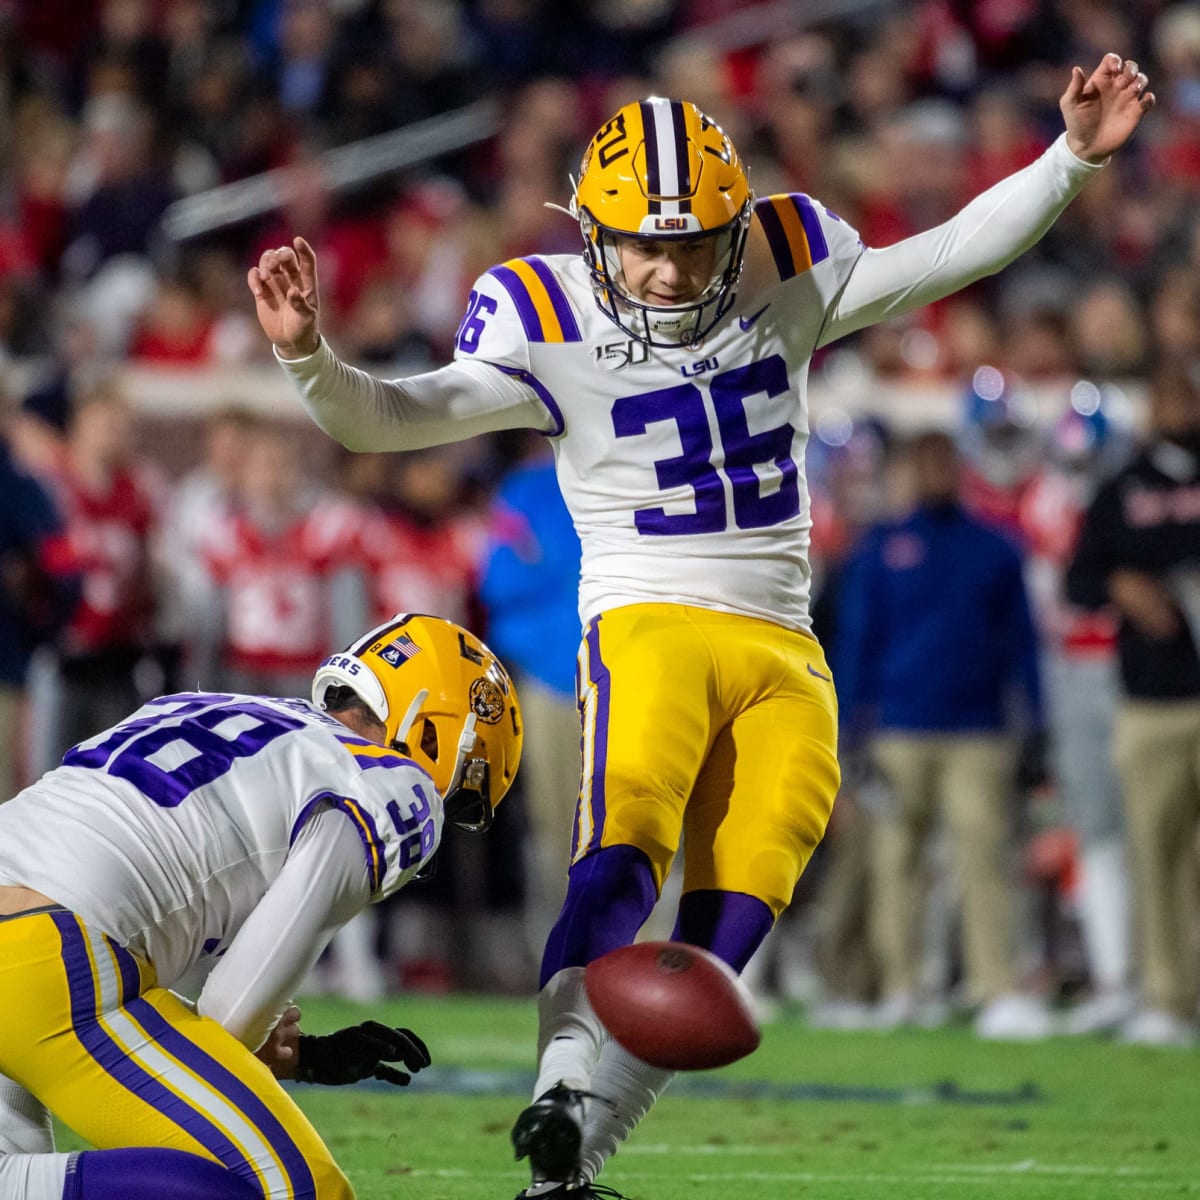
<point>364,413</point>
<point>1100,112</point>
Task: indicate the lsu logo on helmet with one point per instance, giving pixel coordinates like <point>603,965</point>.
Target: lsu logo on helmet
<point>662,169</point>
<point>487,701</point>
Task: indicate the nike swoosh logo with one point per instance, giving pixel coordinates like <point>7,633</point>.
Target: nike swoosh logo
<point>746,322</point>
<point>813,671</point>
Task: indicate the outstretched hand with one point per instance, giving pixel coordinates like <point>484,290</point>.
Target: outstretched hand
<point>285,297</point>
<point>1102,110</point>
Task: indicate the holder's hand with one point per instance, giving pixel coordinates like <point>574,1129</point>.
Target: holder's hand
<point>361,1052</point>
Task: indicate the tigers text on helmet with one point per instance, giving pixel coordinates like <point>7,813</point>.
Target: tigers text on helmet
<point>445,701</point>
<point>662,170</point>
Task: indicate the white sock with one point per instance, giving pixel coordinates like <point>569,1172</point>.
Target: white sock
<point>570,1035</point>
<point>1104,911</point>
<point>33,1176</point>
<point>625,1089</point>
<point>25,1125</point>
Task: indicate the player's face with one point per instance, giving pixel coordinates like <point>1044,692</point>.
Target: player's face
<point>666,272</point>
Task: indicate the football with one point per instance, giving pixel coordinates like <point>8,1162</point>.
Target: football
<point>672,1005</point>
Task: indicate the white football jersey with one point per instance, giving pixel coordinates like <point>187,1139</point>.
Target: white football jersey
<point>166,830</point>
<point>684,467</point>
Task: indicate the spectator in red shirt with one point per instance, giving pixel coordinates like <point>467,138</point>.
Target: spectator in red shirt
<point>109,500</point>
<point>285,563</point>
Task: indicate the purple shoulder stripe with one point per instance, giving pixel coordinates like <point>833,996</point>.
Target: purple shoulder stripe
<point>818,248</point>
<point>781,252</point>
<point>515,287</point>
<point>558,298</point>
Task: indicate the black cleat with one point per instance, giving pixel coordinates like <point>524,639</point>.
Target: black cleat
<point>576,1191</point>
<point>550,1132</point>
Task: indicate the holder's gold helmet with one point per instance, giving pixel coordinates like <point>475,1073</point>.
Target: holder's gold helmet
<point>661,169</point>
<point>445,701</point>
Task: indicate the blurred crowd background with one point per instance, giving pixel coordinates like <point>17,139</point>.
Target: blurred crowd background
<point>169,521</point>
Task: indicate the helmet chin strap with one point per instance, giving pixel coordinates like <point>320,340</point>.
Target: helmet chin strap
<point>466,743</point>
<point>469,786</point>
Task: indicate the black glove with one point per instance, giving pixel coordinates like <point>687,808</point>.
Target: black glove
<point>360,1052</point>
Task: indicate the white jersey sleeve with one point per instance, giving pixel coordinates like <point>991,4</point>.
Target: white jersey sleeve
<point>323,883</point>
<point>996,227</point>
<point>457,401</point>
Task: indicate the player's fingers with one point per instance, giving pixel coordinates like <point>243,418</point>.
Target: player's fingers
<point>417,1054</point>
<point>299,301</point>
<point>1075,87</point>
<point>391,1075</point>
<point>1127,76</point>
<point>1147,100</point>
<point>397,1044</point>
<point>271,288</point>
<point>306,265</point>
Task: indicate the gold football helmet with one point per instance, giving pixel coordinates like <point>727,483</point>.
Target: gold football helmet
<point>445,701</point>
<point>661,169</point>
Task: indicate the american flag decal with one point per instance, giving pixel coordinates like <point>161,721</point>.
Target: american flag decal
<point>399,650</point>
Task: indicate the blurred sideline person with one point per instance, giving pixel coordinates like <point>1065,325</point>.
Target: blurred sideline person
<point>1081,683</point>
<point>934,636</point>
<point>287,574</point>
<point>213,844</point>
<point>1139,550</point>
<point>668,368</point>
<point>110,497</point>
<point>204,499</point>
<point>38,592</point>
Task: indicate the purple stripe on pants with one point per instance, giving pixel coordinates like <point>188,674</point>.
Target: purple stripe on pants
<point>113,1059</point>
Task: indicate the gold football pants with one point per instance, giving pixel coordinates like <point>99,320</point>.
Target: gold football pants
<point>715,727</point>
<point>124,1062</point>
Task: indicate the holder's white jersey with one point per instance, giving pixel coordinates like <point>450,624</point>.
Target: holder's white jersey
<point>168,830</point>
<point>683,468</point>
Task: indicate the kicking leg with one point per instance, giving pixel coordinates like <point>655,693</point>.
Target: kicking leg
<point>732,926</point>
<point>609,895</point>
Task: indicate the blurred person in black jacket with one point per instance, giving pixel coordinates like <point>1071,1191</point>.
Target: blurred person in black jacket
<point>38,592</point>
<point>1140,550</point>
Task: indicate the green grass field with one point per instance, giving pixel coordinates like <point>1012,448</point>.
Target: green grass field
<point>831,1116</point>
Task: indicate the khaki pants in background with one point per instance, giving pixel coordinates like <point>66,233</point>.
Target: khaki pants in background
<point>12,742</point>
<point>965,782</point>
<point>1157,754</point>
<point>550,768</point>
